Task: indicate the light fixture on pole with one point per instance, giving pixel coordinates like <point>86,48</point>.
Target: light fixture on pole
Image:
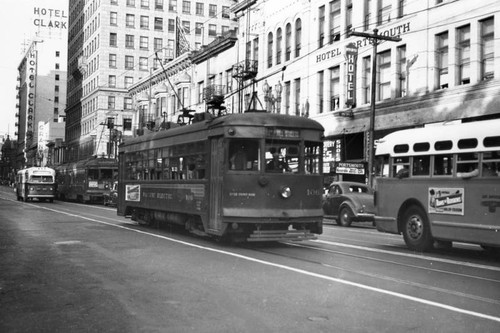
<point>375,37</point>
<point>279,88</point>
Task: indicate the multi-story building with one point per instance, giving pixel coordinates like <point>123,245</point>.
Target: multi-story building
<point>315,58</point>
<point>445,67</point>
<point>41,95</point>
<point>113,44</point>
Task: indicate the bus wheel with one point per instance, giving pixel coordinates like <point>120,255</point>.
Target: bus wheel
<point>416,230</point>
<point>345,217</point>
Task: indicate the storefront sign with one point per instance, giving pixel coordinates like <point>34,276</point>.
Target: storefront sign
<point>350,168</point>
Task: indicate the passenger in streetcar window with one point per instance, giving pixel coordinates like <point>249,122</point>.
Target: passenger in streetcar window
<point>277,164</point>
<point>238,160</point>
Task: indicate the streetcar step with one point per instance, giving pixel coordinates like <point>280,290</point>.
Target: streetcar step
<point>280,235</point>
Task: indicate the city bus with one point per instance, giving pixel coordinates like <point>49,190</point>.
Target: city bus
<point>440,183</point>
<point>36,182</point>
<point>253,176</point>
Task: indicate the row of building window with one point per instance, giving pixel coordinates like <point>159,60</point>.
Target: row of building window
<point>462,65</point>
<point>186,7</point>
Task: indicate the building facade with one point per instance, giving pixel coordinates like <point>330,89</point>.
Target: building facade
<point>113,44</point>
<point>41,95</point>
<point>445,67</point>
<point>311,59</point>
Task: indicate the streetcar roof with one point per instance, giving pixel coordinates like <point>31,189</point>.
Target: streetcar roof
<point>239,119</point>
<point>456,136</point>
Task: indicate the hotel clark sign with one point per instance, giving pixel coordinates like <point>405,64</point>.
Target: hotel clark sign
<point>50,18</point>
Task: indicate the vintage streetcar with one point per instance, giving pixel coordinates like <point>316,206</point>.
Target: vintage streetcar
<point>253,176</point>
<point>86,181</point>
<point>36,183</point>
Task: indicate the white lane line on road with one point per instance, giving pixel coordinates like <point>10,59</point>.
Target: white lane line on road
<point>292,269</point>
<point>411,255</point>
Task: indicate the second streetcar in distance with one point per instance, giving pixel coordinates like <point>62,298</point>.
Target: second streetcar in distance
<point>252,176</point>
<point>87,180</point>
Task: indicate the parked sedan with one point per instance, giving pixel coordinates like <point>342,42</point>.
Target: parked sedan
<point>348,202</point>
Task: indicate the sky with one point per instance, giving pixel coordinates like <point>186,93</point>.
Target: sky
<point>16,28</point>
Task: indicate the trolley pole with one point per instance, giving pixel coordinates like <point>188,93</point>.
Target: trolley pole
<point>376,38</point>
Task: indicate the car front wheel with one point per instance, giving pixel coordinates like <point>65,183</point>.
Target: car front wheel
<point>345,217</point>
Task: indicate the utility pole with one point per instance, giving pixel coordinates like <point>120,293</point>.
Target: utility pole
<point>376,38</point>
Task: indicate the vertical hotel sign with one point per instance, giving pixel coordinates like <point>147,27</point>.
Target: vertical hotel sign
<point>351,56</point>
<point>31,60</point>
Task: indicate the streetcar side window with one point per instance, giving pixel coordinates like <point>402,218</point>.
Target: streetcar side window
<point>244,154</point>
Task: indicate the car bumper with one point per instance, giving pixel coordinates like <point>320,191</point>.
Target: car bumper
<point>386,224</point>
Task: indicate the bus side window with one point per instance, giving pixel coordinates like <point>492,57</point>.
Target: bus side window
<point>491,164</point>
<point>398,164</point>
<point>467,162</point>
<point>443,165</point>
<point>421,165</point>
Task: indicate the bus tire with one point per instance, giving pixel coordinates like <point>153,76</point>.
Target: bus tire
<point>345,217</point>
<point>416,229</point>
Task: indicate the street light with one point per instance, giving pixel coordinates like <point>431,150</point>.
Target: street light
<point>164,114</point>
<point>278,87</point>
<point>272,103</point>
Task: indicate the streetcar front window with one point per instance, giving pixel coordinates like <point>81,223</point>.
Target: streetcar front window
<point>282,157</point>
<point>106,174</point>
<point>244,154</point>
<point>312,157</point>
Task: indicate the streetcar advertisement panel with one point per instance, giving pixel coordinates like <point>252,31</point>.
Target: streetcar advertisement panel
<point>133,192</point>
<point>446,200</point>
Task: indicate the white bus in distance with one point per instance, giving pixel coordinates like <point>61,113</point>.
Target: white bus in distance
<point>36,183</point>
<point>440,183</point>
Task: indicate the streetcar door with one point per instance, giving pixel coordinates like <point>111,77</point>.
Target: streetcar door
<point>216,177</point>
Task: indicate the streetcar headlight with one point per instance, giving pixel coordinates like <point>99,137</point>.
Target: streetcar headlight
<point>32,188</point>
<point>286,192</point>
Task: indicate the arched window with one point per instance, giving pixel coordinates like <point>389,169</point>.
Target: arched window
<point>288,41</point>
<point>279,41</point>
<point>269,50</point>
<point>298,37</point>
